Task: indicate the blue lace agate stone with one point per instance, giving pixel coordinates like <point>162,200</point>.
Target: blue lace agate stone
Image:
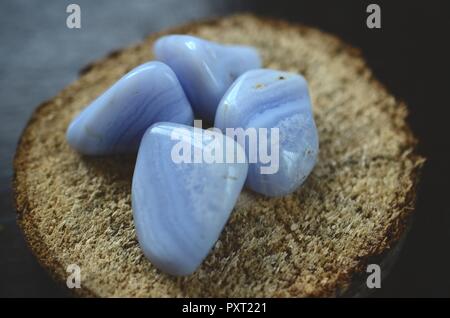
<point>116,121</point>
<point>205,69</point>
<point>180,208</point>
<point>267,98</point>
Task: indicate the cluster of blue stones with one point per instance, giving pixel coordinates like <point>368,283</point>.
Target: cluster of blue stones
<point>180,209</point>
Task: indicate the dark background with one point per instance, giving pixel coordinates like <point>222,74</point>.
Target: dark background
<point>39,55</point>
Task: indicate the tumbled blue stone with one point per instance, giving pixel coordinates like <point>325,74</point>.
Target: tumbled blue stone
<point>116,121</point>
<point>205,69</point>
<point>267,98</point>
<point>180,208</point>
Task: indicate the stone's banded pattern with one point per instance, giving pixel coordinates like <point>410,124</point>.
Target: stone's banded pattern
<point>180,209</point>
<point>268,98</point>
<point>205,69</point>
<point>116,121</point>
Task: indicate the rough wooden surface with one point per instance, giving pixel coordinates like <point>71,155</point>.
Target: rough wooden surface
<point>352,209</point>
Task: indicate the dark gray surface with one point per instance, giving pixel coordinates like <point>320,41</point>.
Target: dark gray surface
<point>39,56</point>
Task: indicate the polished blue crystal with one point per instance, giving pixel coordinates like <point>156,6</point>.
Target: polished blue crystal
<point>180,207</point>
<point>267,98</point>
<point>117,119</point>
<point>205,69</point>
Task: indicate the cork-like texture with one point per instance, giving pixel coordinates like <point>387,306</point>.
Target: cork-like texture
<point>316,242</point>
